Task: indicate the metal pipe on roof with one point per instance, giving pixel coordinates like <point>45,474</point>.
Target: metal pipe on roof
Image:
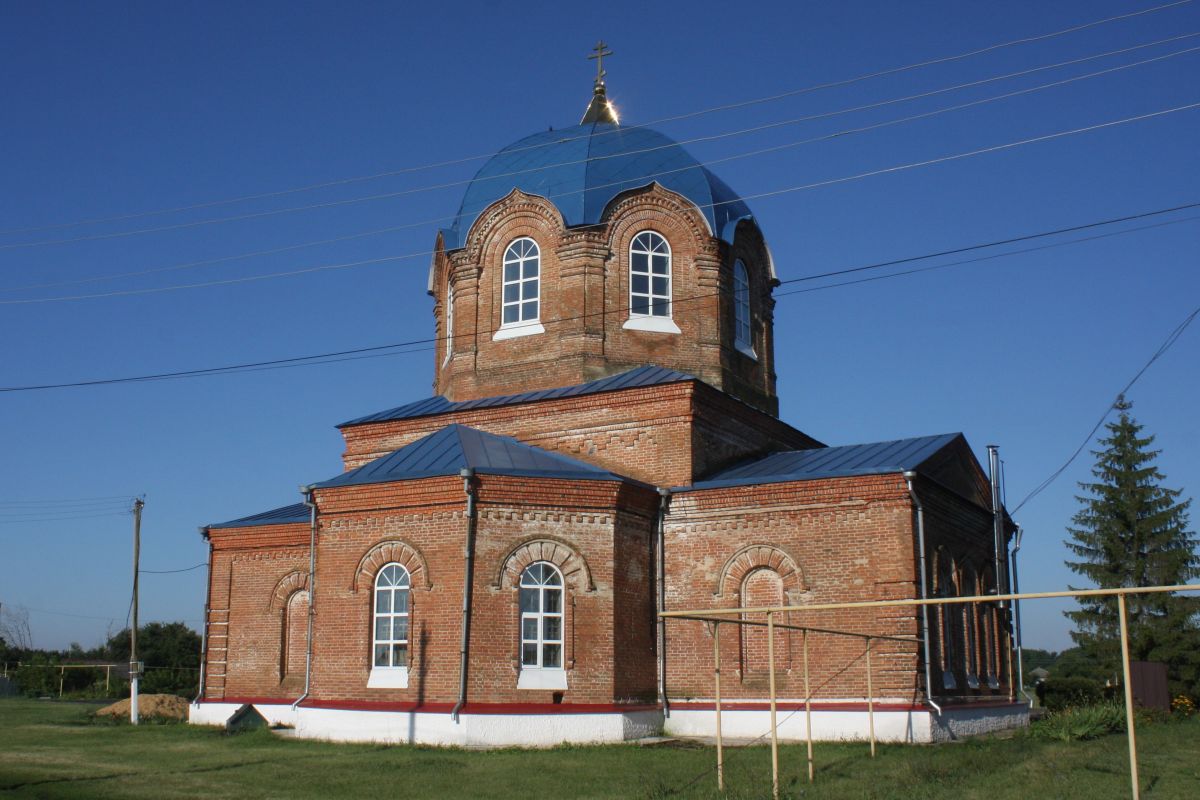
<point>309,501</point>
<point>468,478</point>
<point>909,477</point>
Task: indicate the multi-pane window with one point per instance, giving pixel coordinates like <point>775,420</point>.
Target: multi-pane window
<point>522,279</point>
<point>741,304</point>
<point>391,617</point>
<point>541,617</point>
<point>649,276</point>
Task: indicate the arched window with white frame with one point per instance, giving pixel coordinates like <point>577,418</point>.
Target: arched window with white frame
<point>390,626</point>
<point>649,276</point>
<point>741,309</point>
<point>520,304</point>
<point>541,600</point>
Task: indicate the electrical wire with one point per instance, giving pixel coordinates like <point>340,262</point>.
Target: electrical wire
<point>387,349</point>
<point>1167,344</point>
<point>32,520</point>
<point>394,228</point>
<point>662,120</point>
<point>172,571</point>
<point>760,195</point>
<point>981,259</point>
<point>623,154</point>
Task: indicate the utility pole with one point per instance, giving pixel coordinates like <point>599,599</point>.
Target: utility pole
<point>134,666</point>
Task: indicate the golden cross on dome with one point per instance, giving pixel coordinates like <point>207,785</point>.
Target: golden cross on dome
<point>598,53</point>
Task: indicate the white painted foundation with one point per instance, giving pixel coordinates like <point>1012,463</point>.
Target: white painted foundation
<point>406,727</point>
<point>917,726</point>
<point>218,713</point>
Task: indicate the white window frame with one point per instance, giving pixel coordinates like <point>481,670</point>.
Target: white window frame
<point>517,255</point>
<point>538,675</point>
<point>390,675</point>
<point>448,316</point>
<point>652,245</point>
<point>743,335</point>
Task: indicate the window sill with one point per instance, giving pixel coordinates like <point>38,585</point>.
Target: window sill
<point>745,350</point>
<point>542,679</point>
<point>652,324</point>
<point>518,329</point>
<point>388,678</point>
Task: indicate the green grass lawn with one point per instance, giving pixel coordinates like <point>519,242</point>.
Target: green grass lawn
<point>51,749</point>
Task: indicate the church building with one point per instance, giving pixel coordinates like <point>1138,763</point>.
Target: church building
<point>602,443</point>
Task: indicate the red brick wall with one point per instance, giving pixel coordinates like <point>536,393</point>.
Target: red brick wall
<point>960,532</point>
<point>246,617</point>
<point>829,541</point>
<point>664,435</point>
<point>586,527</point>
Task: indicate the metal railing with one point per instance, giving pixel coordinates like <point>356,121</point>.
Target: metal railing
<point>719,616</point>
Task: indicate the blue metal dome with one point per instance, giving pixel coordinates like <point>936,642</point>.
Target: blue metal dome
<point>581,169</point>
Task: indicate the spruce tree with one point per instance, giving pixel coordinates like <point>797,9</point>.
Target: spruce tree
<point>1133,532</point>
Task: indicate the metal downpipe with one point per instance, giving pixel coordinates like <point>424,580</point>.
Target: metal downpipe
<point>312,591</point>
<point>1000,561</point>
<point>909,477</point>
<point>468,478</point>
<point>204,630</point>
<point>664,505</point>
<point>1016,587</point>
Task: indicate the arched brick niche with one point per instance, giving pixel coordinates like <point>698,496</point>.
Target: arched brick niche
<point>288,585</point>
<point>750,558</point>
<point>387,552</point>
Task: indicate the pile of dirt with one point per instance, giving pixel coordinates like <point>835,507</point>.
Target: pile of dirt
<point>166,706</point>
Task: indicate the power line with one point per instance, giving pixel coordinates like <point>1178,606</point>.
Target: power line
<point>714,137</point>
<point>1167,344</point>
<point>62,518</point>
<point>760,195</point>
<point>389,349</point>
<point>172,571</point>
<point>395,228</point>
<point>689,115</point>
<point>981,259</point>
<point>72,501</point>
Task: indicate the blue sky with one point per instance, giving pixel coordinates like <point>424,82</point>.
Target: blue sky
<point>113,110</point>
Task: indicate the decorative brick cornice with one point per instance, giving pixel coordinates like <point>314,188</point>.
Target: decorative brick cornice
<point>554,551</point>
<point>393,551</point>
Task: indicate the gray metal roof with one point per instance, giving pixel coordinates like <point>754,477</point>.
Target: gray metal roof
<point>297,512</point>
<point>641,376</point>
<point>454,447</point>
<point>876,458</point>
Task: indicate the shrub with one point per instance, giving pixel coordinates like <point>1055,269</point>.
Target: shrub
<point>1081,722</point>
<point>1058,694</point>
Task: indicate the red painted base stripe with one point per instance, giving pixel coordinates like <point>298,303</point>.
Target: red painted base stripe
<point>478,708</point>
<point>685,705</point>
<point>253,701</point>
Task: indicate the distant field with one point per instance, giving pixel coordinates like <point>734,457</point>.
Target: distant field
<point>50,749</point>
